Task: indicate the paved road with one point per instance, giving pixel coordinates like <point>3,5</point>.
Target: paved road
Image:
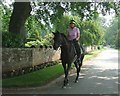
<point>98,76</point>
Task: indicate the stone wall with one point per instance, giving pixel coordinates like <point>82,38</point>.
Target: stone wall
<point>90,48</point>
<point>18,58</point>
<point>44,55</point>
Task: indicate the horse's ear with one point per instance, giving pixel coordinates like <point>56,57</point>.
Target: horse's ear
<point>53,33</point>
<point>57,31</point>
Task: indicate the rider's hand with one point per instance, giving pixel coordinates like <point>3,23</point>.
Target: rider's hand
<point>77,39</point>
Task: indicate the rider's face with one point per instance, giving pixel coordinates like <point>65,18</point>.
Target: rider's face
<point>72,25</point>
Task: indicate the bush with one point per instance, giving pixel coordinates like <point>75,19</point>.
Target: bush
<point>11,40</point>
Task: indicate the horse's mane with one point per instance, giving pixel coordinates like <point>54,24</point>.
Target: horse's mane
<point>64,36</point>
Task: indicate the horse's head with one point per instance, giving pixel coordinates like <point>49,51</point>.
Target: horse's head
<point>57,40</point>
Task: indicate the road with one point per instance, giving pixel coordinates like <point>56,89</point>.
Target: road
<point>98,76</point>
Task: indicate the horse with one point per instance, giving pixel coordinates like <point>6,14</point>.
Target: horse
<point>68,55</point>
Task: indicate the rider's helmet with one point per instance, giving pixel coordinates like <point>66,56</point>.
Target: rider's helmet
<point>72,21</point>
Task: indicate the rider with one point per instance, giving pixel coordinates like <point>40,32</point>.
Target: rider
<point>73,34</point>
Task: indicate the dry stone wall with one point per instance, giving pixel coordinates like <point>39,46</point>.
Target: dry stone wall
<point>19,58</point>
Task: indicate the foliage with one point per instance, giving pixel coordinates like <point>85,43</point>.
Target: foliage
<point>90,33</point>
<point>111,35</point>
<point>34,28</point>
<point>11,40</point>
<point>37,33</point>
<point>51,11</point>
<point>8,39</point>
<point>47,40</point>
<point>32,43</point>
<point>5,14</point>
<point>56,15</point>
<point>62,24</point>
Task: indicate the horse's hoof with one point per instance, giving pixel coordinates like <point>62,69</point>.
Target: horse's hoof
<point>64,87</point>
<point>68,84</point>
<point>76,81</point>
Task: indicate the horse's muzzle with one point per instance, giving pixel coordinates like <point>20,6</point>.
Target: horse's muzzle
<point>55,48</point>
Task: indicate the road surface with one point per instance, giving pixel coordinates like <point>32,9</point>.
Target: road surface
<point>98,76</point>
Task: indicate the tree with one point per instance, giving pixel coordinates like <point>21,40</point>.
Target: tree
<point>111,35</point>
<point>62,23</point>
<point>20,13</point>
<point>85,10</point>
<point>49,12</point>
<point>91,33</point>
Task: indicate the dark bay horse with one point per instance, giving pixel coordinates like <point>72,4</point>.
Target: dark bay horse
<point>68,55</point>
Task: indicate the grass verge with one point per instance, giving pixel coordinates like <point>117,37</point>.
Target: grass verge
<point>92,54</point>
<point>40,77</point>
<point>36,78</point>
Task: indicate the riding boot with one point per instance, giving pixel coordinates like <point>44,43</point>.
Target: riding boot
<point>77,48</point>
<point>82,49</point>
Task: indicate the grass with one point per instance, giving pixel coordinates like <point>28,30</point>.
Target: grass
<point>36,78</point>
<point>92,54</point>
<point>40,77</point>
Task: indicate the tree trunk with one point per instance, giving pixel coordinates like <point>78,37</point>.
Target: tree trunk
<point>20,13</point>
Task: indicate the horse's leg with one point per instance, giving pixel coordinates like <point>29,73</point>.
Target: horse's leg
<point>80,64</point>
<point>66,71</point>
<point>77,68</point>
